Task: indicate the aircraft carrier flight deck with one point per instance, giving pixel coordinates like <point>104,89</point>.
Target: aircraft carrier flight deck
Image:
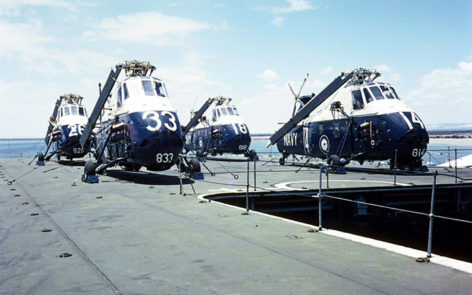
<point>144,233</point>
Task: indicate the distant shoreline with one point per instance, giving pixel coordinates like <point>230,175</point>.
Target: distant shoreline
<point>434,135</point>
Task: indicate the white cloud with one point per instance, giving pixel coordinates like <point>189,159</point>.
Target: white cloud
<point>269,75</point>
<point>11,7</point>
<point>388,74</point>
<point>21,37</point>
<point>277,21</point>
<point>189,84</point>
<point>444,95</point>
<point>327,70</point>
<point>151,27</point>
<point>25,106</point>
<point>295,6</point>
<point>28,46</point>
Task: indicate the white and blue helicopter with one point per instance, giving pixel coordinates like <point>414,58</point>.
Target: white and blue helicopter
<point>139,127</point>
<point>218,129</point>
<point>354,118</point>
<point>65,128</point>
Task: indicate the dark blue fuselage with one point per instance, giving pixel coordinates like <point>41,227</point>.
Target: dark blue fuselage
<point>377,137</point>
<point>67,143</point>
<point>151,139</point>
<point>219,139</point>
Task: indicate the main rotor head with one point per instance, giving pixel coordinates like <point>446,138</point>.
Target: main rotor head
<point>72,98</point>
<point>361,76</point>
<point>138,68</point>
<point>222,100</point>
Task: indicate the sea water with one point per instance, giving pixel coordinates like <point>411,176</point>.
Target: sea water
<point>439,150</point>
<point>21,148</point>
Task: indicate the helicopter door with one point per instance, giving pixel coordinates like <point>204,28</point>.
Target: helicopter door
<point>306,143</point>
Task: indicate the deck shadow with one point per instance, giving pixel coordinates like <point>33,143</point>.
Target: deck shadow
<point>147,177</point>
<point>71,162</point>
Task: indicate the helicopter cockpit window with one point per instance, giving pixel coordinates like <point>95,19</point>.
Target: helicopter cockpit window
<point>147,86</point>
<point>119,100</point>
<point>159,88</point>
<point>394,92</point>
<point>387,92</point>
<point>213,118</point>
<point>367,95</point>
<point>218,112</point>
<point>81,111</point>
<point>376,92</point>
<point>125,88</point>
<point>62,113</point>
<point>74,110</point>
<point>223,111</point>
<point>235,111</point>
<point>67,111</point>
<point>230,111</point>
<point>357,102</point>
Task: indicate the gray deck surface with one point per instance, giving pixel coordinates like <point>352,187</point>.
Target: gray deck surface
<point>134,234</point>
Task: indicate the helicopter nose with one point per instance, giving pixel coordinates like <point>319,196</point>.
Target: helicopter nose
<point>240,143</point>
<point>415,136</point>
<point>159,150</point>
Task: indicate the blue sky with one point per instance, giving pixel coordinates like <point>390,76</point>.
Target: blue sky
<point>248,50</point>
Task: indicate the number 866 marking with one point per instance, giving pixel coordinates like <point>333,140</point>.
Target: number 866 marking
<point>153,116</point>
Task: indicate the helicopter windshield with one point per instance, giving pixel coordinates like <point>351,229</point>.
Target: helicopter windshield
<point>148,89</point>
<point>213,115</point>
<point>125,90</point>
<point>223,111</point>
<point>159,88</point>
<point>153,88</point>
<point>376,92</point>
<point>232,111</point>
<point>357,102</point>
<point>67,111</point>
<point>367,95</point>
<point>387,92</point>
<point>82,112</point>
<point>379,92</point>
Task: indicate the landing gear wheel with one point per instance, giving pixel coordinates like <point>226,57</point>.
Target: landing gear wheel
<point>132,167</point>
<point>194,165</point>
<point>282,161</point>
<point>89,168</point>
<point>334,160</point>
<point>251,154</point>
<point>40,157</point>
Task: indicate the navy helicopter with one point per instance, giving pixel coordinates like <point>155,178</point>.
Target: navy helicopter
<point>354,118</point>
<point>66,125</point>
<point>139,127</point>
<point>218,129</point>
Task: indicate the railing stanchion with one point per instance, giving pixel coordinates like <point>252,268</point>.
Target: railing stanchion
<point>395,169</point>
<point>320,196</point>
<point>254,173</point>
<point>455,164</point>
<point>247,189</point>
<point>430,231</point>
<point>180,175</point>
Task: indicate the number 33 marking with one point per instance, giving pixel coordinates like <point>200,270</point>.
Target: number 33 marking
<point>153,116</point>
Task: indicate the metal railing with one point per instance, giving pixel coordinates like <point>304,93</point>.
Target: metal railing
<point>431,214</point>
<point>321,196</point>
